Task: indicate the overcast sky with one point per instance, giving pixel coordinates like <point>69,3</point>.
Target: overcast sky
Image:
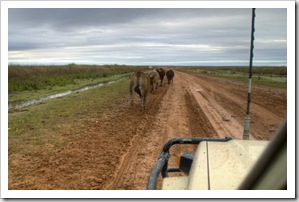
<point>135,36</point>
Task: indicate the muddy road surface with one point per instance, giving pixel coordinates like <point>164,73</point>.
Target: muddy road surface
<point>119,150</point>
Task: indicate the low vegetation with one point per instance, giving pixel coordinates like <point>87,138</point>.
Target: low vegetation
<point>60,120</point>
<point>28,78</point>
<point>30,82</point>
<point>266,76</point>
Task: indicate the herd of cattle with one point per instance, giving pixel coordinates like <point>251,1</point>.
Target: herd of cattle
<point>142,83</point>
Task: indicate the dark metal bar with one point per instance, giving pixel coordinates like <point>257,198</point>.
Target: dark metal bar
<point>251,58</point>
<point>172,170</point>
<point>157,169</point>
<point>247,117</point>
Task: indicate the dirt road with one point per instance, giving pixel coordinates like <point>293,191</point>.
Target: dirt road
<point>118,151</point>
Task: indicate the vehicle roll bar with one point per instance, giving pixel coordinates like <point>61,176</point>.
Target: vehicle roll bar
<point>162,164</point>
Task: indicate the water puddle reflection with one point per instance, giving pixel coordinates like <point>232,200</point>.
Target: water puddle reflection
<point>24,103</point>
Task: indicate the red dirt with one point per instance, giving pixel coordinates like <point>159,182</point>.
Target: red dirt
<point>119,151</point>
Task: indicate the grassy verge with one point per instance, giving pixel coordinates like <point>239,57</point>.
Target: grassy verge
<point>30,82</point>
<point>51,90</point>
<point>54,122</point>
<point>266,76</point>
<point>30,78</point>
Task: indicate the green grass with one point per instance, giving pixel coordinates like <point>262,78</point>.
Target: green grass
<point>258,70</point>
<point>51,90</point>
<point>56,121</point>
<point>265,76</point>
<point>29,82</point>
<point>31,78</point>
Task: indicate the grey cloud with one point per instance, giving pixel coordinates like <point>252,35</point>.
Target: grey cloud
<point>144,35</point>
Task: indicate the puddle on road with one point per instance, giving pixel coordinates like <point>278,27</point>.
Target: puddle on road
<point>24,103</point>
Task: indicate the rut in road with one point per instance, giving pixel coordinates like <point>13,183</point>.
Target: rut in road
<point>224,102</point>
<point>222,120</point>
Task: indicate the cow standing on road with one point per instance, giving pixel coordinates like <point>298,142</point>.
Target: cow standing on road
<point>161,72</point>
<point>154,80</point>
<point>170,75</point>
<point>139,83</point>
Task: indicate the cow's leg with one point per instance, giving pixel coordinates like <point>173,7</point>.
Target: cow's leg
<point>143,101</point>
<point>142,96</point>
<point>152,89</point>
<point>132,95</point>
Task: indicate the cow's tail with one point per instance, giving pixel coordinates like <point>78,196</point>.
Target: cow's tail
<point>141,91</point>
<point>136,85</point>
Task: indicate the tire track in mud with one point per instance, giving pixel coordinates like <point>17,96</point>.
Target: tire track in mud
<point>220,119</point>
<point>137,163</point>
<point>224,102</point>
<point>127,174</point>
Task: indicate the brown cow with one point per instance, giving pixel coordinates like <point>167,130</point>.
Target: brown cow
<point>140,83</point>
<point>170,75</point>
<point>161,72</point>
<point>154,80</point>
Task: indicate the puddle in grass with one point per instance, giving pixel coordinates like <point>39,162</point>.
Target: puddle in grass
<point>24,103</point>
